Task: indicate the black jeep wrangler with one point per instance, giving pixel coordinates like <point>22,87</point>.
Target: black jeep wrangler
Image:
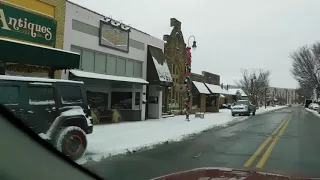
<point>55,109</point>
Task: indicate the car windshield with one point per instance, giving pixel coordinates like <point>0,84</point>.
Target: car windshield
<point>138,89</point>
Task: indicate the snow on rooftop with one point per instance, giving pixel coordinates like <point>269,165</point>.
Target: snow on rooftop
<point>85,74</point>
<point>201,87</point>
<point>34,79</point>
<point>226,92</point>
<point>163,70</point>
<point>234,91</point>
<point>214,88</point>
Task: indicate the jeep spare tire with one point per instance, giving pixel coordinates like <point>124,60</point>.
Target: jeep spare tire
<point>72,142</point>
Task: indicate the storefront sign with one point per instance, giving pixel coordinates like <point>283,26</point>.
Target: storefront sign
<point>113,35</point>
<point>26,68</point>
<point>19,24</point>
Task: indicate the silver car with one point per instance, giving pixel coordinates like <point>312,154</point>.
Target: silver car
<point>243,107</point>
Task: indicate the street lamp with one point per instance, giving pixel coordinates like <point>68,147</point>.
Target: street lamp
<point>252,90</point>
<point>188,72</point>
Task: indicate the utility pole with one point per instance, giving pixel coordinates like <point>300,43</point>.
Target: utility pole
<point>265,98</point>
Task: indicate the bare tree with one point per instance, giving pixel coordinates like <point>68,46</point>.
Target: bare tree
<point>305,66</point>
<point>255,84</point>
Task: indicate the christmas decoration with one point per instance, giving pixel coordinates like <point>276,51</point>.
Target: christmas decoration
<point>188,82</point>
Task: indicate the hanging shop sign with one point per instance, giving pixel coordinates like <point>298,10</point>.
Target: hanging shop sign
<point>114,35</point>
<point>19,24</point>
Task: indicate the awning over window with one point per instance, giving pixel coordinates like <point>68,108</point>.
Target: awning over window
<point>157,68</point>
<point>201,87</point>
<point>214,89</point>
<point>84,74</point>
<point>26,53</point>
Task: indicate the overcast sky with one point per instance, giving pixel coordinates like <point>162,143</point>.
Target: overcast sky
<point>230,34</point>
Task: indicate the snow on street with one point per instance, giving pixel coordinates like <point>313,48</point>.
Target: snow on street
<point>112,139</point>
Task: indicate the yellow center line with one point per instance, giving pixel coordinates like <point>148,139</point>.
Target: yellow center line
<point>263,145</point>
<point>266,155</point>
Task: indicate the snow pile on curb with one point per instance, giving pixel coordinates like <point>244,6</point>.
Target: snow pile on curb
<point>112,139</point>
<point>314,112</point>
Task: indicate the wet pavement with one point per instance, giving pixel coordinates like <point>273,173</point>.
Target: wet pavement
<point>284,141</point>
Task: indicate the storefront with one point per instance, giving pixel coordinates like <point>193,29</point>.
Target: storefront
<point>30,31</point>
<point>199,97</point>
<point>113,63</point>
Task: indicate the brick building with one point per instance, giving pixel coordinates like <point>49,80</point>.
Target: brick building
<point>175,52</point>
<point>206,92</point>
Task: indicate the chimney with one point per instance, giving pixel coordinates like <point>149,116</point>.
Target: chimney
<point>175,23</point>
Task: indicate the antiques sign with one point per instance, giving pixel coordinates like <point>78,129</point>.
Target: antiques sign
<point>19,24</point>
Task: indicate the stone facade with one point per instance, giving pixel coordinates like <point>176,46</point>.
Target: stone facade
<point>175,52</point>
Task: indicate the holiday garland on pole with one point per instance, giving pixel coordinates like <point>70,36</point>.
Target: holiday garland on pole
<point>187,82</point>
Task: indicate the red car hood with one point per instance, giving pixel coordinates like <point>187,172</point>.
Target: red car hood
<point>224,174</point>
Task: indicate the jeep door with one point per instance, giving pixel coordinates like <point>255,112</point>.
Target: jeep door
<point>10,98</point>
<point>41,106</point>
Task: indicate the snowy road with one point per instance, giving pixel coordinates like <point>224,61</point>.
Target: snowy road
<point>113,139</point>
<point>284,141</point>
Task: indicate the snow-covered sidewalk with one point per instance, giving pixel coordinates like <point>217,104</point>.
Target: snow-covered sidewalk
<point>112,139</point>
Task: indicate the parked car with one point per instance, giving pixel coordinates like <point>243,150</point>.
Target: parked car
<point>57,110</point>
<point>243,107</point>
<point>314,106</point>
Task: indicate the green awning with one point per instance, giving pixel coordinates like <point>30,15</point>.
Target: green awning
<point>25,53</point>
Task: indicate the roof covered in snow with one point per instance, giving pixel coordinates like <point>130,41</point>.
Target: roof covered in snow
<point>160,64</point>
<point>214,88</point>
<point>35,79</point>
<point>91,75</point>
<point>201,87</point>
<point>234,91</point>
<point>226,92</point>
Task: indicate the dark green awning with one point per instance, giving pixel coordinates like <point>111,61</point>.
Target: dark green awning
<point>25,53</point>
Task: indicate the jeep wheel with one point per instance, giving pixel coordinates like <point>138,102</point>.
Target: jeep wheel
<point>254,113</point>
<point>72,142</point>
<point>232,114</point>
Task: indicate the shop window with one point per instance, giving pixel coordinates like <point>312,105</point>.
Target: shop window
<point>41,95</point>
<point>137,100</point>
<point>121,66</point>
<point>70,94</point>
<point>100,63</point>
<point>211,101</point>
<point>9,95</point>
<point>87,63</point>
<point>129,68</point>
<point>137,69</point>
<point>111,64</point>
<point>121,100</point>
<point>77,50</point>
<point>177,97</point>
<point>98,102</point>
<point>196,100</point>
<point>2,68</point>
